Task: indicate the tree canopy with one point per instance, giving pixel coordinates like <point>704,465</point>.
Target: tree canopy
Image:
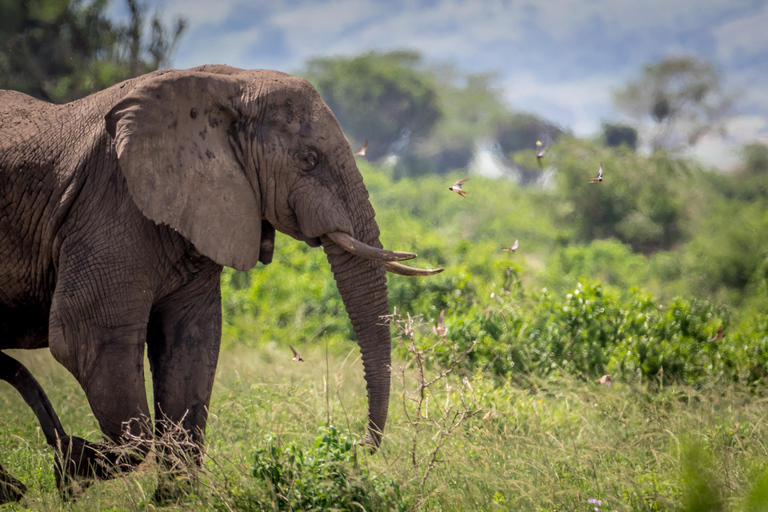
<point>61,50</point>
<point>432,117</point>
<point>380,97</point>
<point>684,97</point>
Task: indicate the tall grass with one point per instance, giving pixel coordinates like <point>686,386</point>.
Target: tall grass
<point>533,445</point>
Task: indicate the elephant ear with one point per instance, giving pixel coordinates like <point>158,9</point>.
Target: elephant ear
<point>172,138</point>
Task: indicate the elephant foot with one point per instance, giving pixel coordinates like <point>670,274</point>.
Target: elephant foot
<point>10,489</point>
<point>79,464</point>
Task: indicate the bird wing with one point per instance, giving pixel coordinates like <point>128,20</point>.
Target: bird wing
<point>441,320</point>
<point>295,354</point>
<point>514,246</point>
<point>461,182</point>
<point>362,150</point>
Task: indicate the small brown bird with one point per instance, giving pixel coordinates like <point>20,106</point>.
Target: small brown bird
<point>719,334</point>
<point>296,355</point>
<point>605,380</point>
<point>511,249</point>
<point>440,328</point>
<point>456,187</point>
<point>362,150</point>
<point>541,151</point>
<point>599,175</point>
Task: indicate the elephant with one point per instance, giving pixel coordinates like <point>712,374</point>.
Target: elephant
<point>117,214</point>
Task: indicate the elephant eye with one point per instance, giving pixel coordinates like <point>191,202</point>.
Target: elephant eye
<point>309,159</point>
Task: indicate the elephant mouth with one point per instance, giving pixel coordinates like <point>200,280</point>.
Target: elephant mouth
<point>312,241</point>
<point>389,258</point>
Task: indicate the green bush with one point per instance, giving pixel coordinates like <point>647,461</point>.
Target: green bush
<point>604,308</point>
<point>323,477</point>
<point>592,331</point>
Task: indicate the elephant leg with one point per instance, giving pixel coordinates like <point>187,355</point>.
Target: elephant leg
<point>74,456</point>
<point>10,489</point>
<point>17,375</point>
<point>183,339</point>
<point>98,332</point>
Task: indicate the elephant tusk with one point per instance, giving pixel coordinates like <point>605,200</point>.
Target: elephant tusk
<point>404,270</point>
<point>358,248</point>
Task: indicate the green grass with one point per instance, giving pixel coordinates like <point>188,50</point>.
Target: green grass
<point>532,444</point>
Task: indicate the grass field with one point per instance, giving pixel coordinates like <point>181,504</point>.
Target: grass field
<point>480,444</point>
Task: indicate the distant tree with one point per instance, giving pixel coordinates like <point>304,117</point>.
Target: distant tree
<point>471,105</point>
<point>473,112</point>
<point>755,157</point>
<point>518,131</point>
<point>431,117</point>
<point>683,97</point>
<point>753,172</point>
<point>617,134</point>
<point>641,202</point>
<point>385,98</point>
<point>61,50</point>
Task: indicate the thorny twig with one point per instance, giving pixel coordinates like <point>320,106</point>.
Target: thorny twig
<point>181,455</point>
<point>451,418</point>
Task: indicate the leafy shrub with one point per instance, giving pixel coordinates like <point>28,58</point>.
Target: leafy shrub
<point>591,331</point>
<point>632,317</point>
<point>325,476</point>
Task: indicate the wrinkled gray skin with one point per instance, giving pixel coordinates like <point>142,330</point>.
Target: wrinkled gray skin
<point>117,213</point>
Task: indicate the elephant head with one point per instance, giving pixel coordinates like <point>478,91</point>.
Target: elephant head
<point>226,156</point>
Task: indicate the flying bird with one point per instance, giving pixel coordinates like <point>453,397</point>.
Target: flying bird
<point>719,334</point>
<point>511,249</point>
<point>605,380</point>
<point>296,355</point>
<point>456,187</point>
<point>599,175</point>
<point>362,150</point>
<point>541,150</point>
<point>440,328</point>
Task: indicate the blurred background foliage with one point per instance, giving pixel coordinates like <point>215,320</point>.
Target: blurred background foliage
<point>633,276</point>
<point>62,50</point>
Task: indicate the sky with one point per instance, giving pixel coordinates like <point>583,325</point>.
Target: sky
<point>560,59</point>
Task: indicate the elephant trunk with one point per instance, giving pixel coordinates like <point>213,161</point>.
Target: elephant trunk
<point>362,283</point>
<point>363,288</point>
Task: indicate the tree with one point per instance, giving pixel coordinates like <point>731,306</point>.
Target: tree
<point>518,131</point>
<point>755,157</point>
<point>641,203</point>
<point>474,111</point>
<point>61,50</point>
<point>432,117</point>
<point>753,173</point>
<point>471,107</point>
<point>682,96</point>
<point>617,134</point>
<point>384,98</point>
